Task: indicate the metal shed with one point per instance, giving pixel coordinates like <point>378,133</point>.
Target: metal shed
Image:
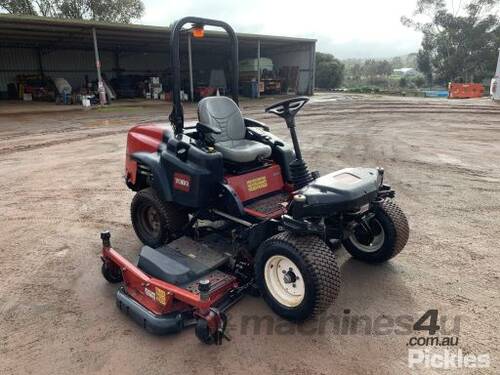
<point>75,48</point>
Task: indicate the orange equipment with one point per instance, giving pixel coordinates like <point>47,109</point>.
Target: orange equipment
<point>465,90</point>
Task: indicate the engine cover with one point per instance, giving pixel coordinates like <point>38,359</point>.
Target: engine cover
<point>345,190</point>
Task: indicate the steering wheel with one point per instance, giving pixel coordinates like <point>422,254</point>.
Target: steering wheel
<point>288,108</point>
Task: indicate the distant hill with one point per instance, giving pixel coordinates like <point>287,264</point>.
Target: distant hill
<point>397,62</point>
<point>399,72</point>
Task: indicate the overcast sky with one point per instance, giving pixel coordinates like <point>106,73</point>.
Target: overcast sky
<point>346,28</point>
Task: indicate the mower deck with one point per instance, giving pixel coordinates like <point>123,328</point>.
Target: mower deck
<point>156,324</point>
<point>184,260</point>
<point>162,293</point>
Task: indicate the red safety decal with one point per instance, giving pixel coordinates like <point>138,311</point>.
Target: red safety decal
<point>182,182</point>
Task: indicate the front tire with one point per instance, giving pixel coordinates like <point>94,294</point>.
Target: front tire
<point>298,275</point>
<point>156,222</point>
<point>390,229</point>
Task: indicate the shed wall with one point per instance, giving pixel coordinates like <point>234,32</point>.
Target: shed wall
<point>75,64</point>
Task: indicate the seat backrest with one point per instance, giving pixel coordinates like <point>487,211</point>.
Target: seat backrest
<point>222,112</point>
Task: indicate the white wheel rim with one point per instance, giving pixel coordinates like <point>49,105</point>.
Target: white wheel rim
<point>284,281</point>
<point>377,242</point>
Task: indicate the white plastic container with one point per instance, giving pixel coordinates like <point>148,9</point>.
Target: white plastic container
<point>62,86</point>
<point>495,82</point>
<point>85,102</point>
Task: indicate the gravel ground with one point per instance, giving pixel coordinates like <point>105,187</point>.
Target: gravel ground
<point>61,177</point>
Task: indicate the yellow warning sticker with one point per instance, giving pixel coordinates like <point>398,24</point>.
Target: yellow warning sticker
<point>161,296</point>
<point>257,183</point>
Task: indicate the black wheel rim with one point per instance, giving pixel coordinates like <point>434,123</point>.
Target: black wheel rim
<point>364,242</point>
<point>149,220</point>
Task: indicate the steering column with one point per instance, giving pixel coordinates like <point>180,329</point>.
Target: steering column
<point>287,109</point>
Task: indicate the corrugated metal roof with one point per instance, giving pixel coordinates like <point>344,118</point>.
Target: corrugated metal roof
<point>66,47</point>
<point>30,30</point>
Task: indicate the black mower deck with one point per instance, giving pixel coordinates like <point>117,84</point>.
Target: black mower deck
<point>185,260</point>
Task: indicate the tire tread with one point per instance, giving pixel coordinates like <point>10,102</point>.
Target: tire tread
<point>175,216</point>
<point>396,227</point>
<point>321,265</point>
<point>400,222</point>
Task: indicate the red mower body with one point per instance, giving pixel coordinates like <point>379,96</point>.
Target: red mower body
<point>225,208</point>
<point>196,187</point>
<point>141,138</point>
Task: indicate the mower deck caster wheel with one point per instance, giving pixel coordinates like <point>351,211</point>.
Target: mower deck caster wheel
<point>203,332</point>
<point>212,329</point>
<point>112,274</point>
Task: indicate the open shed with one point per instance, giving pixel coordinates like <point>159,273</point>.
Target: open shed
<point>73,49</point>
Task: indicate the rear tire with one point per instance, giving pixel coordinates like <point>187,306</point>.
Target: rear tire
<point>297,275</point>
<point>156,222</point>
<point>391,230</point>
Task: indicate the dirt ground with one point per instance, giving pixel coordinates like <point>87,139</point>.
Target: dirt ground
<point>61,183</point>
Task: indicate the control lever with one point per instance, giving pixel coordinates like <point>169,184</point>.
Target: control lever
<point>207,129</point>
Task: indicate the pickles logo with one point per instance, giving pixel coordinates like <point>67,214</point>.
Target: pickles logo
<point>182,182</point>
<point>447,359</point>
<point>257,183</point>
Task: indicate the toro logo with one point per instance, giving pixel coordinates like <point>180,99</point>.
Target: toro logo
<point>182,182</point>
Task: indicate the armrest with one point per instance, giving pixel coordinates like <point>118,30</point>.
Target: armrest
<point>251,122</point>
<point>207,129</point>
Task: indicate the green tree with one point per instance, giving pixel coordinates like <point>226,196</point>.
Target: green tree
<point>384,68</point>
<point>403,82</point>
<point>419,81</point>
<point>25,7</point>
<point>370,68</point>
<point>424,65</point>
<point>329,71</point>
<point>356,72</point>
<point>123,11</point>
<point>397,62</point>
<point>460,42</point>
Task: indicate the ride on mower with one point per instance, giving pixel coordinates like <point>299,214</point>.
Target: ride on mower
<point>225,208</point>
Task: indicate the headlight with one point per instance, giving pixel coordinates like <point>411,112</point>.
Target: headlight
<point>299,198</point>
<point>380,176</point>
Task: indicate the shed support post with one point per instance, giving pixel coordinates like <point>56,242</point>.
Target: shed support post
<point>190,58</point>
<point>117,63</point>
<point>100,83</point>
<point>313,69</point>
<point>40,64</point>
<point>258,68</point>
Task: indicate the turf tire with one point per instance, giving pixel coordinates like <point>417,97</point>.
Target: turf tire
<point>396,232</point>
<point>317,265</point>
<point>171,217</point>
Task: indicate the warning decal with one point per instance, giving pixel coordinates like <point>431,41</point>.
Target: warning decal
<point>257,183</point>
<point>161,296</point>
